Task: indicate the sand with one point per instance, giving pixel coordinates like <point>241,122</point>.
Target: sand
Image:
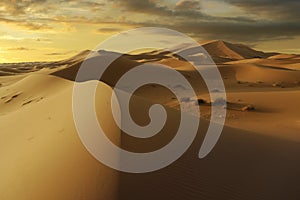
<point>256,157</point>
<point>41,154</point>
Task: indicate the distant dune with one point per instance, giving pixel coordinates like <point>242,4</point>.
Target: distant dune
<point>225,50</point>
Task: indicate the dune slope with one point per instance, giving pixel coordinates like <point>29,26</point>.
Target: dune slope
<point>51,161</point>
<point>41,154</point>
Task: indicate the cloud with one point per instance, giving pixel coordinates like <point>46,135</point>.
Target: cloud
<point>187,5</point>
<point>187,17</point>
<point>36,15</point>
<point>248,32</point>
<point>233,29</point>
<point>183,8</point>
<point>34,26</point>
<point>279,9</point>
<point>19,7</point>
<point>144,6</point>
<point>94,6</point>
<point>59,53</point>
<point>109,30</point>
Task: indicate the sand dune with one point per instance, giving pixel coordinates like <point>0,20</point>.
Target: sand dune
<point>54,162</point>
<point>226,50</point>
<point>285,56</point>
<point>253,73</point>
<point>41,154</point>
<point>256,157</point>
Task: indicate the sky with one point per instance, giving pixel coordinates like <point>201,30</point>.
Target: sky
<point>44,30</point>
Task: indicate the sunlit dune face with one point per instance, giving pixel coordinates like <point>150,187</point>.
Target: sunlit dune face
<point>53,30</point>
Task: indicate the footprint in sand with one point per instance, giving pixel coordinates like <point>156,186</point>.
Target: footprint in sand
<point>33,100</point>
<point>12,97</point>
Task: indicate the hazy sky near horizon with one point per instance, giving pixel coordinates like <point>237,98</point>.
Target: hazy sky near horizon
<point>36,30</point>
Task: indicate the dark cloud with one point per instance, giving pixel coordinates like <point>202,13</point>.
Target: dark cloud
<point>278,9</point>
<point>183,8</point>
<point>83,4</point>
<point>144,6</point>
<point>187,5</point>
<point>109,30</point>
<point>248,32</point>
<point>187,9</point>
<point>90,4</point>
<point>187,17</point>
<point>233,30</point>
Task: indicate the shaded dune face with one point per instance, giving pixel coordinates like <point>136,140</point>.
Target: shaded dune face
<point>43,157</point>
<point>243,165</point>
